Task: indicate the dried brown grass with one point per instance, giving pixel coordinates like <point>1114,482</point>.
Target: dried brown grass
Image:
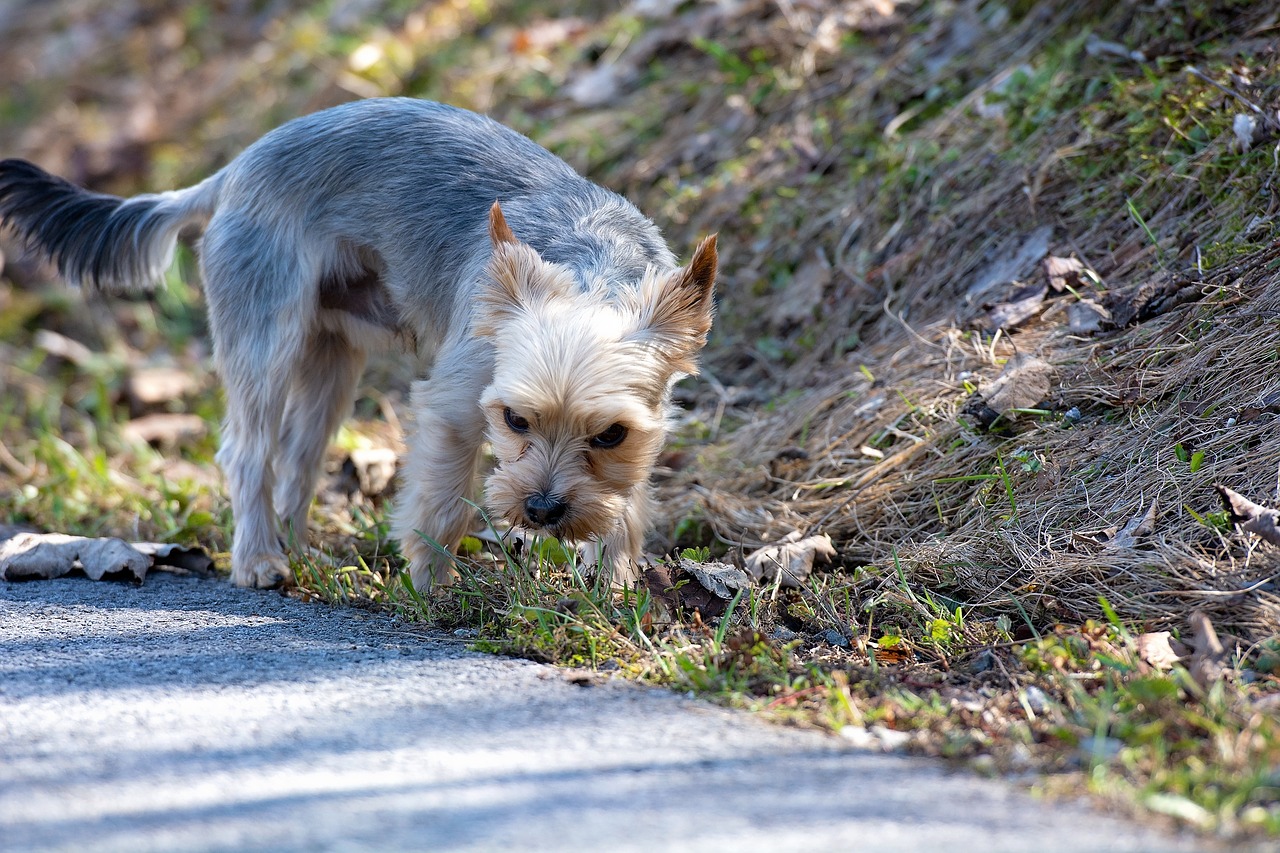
<point>1201,376</point>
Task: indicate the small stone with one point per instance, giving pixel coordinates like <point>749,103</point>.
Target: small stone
<point>1036,700</point>
<point>466,633</point>
<point>983,765</point>
<point>891,740</point>
<point>783,634</point>
<point>835,638</point>
<point>1097,750</point>
<point>983,661</point>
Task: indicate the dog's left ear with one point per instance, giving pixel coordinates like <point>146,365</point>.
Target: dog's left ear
<point>676,310</point>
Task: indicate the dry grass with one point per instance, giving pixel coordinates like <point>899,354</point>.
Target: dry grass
<point>1037,537</point>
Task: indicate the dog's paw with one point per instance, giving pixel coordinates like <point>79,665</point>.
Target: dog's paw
<point>428,568</point>
<point>435,573</point>
<point>263,571</point>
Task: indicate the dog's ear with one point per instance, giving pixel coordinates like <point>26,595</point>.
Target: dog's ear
<point>675,309</point>
<point>517,279</point>
<point>499,231</point>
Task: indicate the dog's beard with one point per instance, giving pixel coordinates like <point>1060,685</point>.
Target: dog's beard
<point>595,485</point>
<point>592,512</point>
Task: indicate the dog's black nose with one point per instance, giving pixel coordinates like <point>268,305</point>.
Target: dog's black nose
<point>544,510</point>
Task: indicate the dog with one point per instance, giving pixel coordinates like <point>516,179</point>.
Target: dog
<point>550,317</point>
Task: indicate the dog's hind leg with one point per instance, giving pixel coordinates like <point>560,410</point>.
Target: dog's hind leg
<point>261,296</point>
<point>321,396</point>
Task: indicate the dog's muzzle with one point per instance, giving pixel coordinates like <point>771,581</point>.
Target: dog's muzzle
<point>545,510</point>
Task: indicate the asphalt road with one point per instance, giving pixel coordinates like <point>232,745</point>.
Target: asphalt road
<point>188,715</point>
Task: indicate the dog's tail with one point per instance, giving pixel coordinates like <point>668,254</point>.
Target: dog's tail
<point>100,241</point>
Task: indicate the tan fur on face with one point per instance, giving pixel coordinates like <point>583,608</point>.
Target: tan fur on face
<point>574,362</point>
<point>570,382</point>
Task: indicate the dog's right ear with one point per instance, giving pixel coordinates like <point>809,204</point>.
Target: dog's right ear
<point>517,281</point>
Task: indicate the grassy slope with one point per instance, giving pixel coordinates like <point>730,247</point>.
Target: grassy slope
<point>865,166</point>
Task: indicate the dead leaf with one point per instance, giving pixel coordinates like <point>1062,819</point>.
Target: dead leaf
<point>601,85</point>
<point>680,592</point>
<point>27,556</point>
<point>375,469</point>
<point>184,560</point>
<point>542,36</point>
<point>1252,517</point>
<point>1142,524</point>
<point>720,578</point>
<point>1245,128</point>
<point>891,654</point>
<point>1013,263</point>
<point>149,387</point>
<point>1063,272</point>
<point>1208,661</point>
<point>1023,383</point>
<point>1022,306</point>
<point>1150,299</point>
<point>1157,649</point>
<point>165,428</point>
<point>68,349</point>
<point>1086,317</point>
<point>791,559</point>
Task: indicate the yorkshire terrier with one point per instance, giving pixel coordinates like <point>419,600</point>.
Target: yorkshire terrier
<point>550,317</point>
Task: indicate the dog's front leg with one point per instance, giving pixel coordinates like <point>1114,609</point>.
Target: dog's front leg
<point>439,476</point>
<point>617,555</point>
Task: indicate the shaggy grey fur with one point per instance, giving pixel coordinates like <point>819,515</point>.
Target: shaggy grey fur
<point>356,227</point>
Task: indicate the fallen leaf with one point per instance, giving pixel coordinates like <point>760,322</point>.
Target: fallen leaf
<point>165,428</point>
<point>680,592</point>
<point>1176,805</point>
<point>1086,317</point>
<point>1252,517</point>
<point>720,578</point>
<point>1150,299</point>
<point>168,556</point>
<point>1208,661</point>
<point>1024,382</point>
<point>1063,272</point>
<point>1013,263</point>
<point>1022,306</point>
<point>149,387</point>
<point>1095,46</point>
<point>895,654</point>
<point>1142,524</point>
<point>1245,127</point>
<point>375,469</point>
<point>1157,649</point>
<point>68,349</point>
<point>27,556</point>
<point>800,299</point>
<point>791,559</point>
<point>601,85</point>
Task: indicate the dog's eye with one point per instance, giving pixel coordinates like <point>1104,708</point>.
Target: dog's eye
<point>611,437</point>
<point>514,421</point>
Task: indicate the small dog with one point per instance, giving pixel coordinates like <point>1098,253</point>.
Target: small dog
<point>364,226</point>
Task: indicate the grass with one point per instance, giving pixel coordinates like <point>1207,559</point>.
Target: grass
<point>975,607</point>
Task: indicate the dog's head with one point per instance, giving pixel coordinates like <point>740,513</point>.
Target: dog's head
<point>577,410</point>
